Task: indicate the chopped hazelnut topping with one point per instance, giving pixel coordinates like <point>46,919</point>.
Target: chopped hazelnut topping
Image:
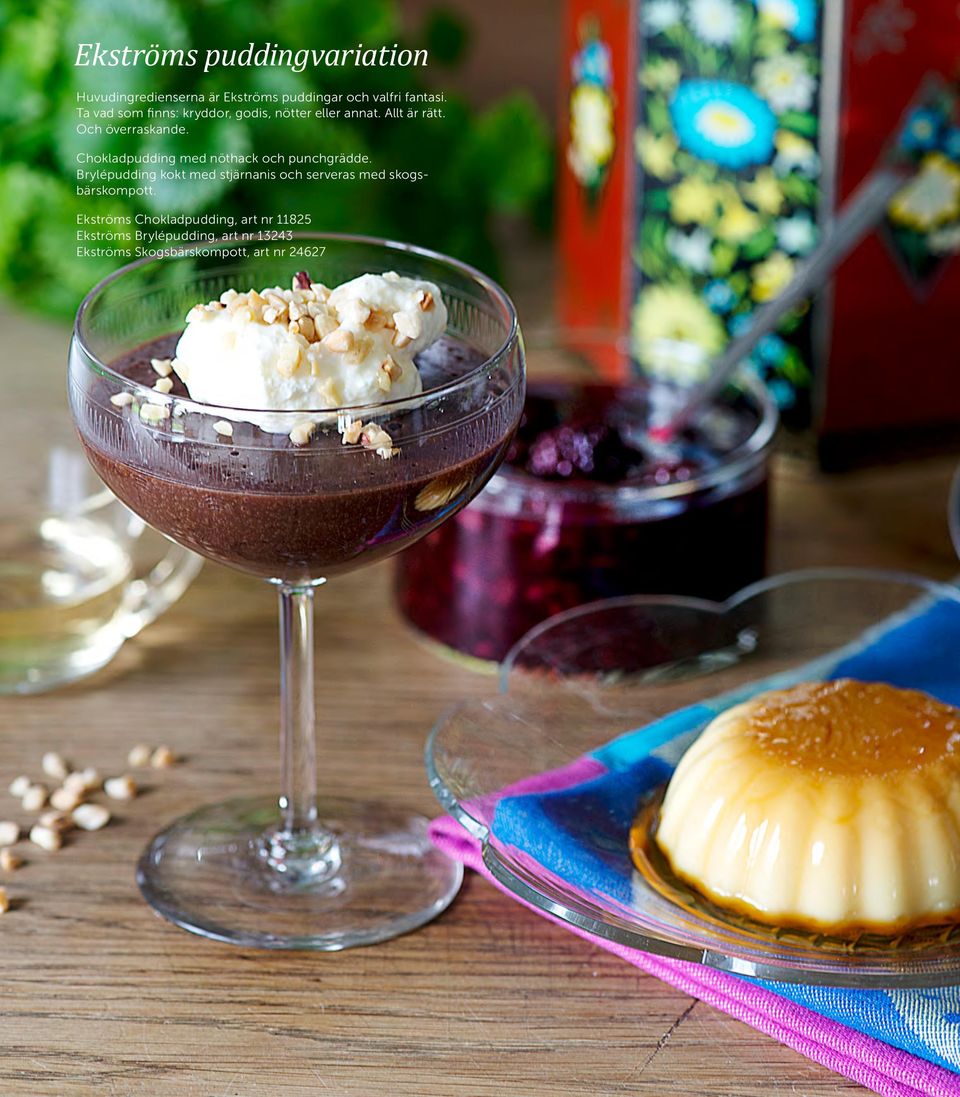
<point>400,341</point>
<point>121,399</point>
<point>162,366</point>
<point>302,433</point>
<point>89,817</point>
<point>307,328</point>
<point>340,341</point>
<point>376,438</point>
<point>164,385</point>
<point>350,430</point>
<point>361,348</point>
<point>377,320</point>
<point>162,758</point>
<point>425,301</point>
<point>10,861</point>
<point>270,315</point>
<point>329,393</point>
<point>139,755</point>
<point>288,359</point>
<point>9,833</point>
<point>408,324</point>
<point>154,413</point>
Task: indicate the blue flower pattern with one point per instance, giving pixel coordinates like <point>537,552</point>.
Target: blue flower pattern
<point>724,122</point>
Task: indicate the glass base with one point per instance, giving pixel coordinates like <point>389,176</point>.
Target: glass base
<point>216,872</point>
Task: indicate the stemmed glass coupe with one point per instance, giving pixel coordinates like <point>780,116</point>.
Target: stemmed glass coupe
<point>293,872</point>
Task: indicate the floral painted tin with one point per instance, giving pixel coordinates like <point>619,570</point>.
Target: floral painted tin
<point>707,145</point>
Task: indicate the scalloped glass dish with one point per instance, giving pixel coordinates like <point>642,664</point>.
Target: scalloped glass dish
<point>620,683</point>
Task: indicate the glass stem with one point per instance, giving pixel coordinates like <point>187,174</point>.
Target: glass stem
<point>300,848</point>
<point>298,738</point>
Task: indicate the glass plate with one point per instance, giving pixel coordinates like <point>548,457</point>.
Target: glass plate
<point>589,675</point>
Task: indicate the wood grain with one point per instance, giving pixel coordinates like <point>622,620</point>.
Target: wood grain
<point>99,996</point>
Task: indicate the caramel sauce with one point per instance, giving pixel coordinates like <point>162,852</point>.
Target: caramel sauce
<point>853,729</point>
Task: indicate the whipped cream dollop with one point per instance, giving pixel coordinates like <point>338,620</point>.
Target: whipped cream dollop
<point>309,348</point>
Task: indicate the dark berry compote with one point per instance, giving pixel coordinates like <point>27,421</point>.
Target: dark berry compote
<point>587,507</point>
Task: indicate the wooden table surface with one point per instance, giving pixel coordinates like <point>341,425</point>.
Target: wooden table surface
<point>100,996</point>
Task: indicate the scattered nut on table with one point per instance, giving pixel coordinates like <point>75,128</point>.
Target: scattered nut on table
<point>65,799</point>
<point>35,798</point>
<point>9,833</point>
<point>46,837</point>
<point>10,861</point>
<point>53,765</point>
<point>120,788</point>
<point>91,816</point>
<point>19,785</point>
<point>4,901</point>
<point>56,820</point>
<point>139,756</point>
<point>162,758</point>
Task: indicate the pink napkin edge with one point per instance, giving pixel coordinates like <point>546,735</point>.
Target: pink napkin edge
<point>886,1070</point>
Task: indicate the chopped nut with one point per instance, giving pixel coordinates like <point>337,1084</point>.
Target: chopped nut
<point>4,901</point>
<point>9,833</point>
<point>350,430</point>
<point>120,788</point>
<point>55,820</point>
<point>34,798</point>
<point>53,765</point>
<point>154,413</point>
<point>361,348</point>
<point>307,328</point>
<point>301,280</point>
<point>377,320</point>
<point>66,799</point>
<point>270,315</point>
<point>288,359</point>
<point>425,300</point>
<point>10,861</point>
<point>164,385</point>
<point>121,399</point>
<point>139,755</point>
<point>19,785</point>
<point>376,438</point>
<point>91,816</point>
<point>163,366</point>
<point>408,324</point>
<point>300,436</point>
<point>400,341</point>
<point>46,837</point>
<point>85,780</point>
<point>162,758</point>
<point>340,341</point>
<point>221,426</point>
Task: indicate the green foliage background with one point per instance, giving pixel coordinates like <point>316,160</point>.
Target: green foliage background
<point>480,163</point>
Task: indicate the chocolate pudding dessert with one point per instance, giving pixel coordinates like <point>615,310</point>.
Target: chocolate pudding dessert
<point>237,457</point>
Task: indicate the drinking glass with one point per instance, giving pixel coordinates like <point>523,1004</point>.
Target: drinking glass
<point>79,574</point>
<point>292,872</point>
